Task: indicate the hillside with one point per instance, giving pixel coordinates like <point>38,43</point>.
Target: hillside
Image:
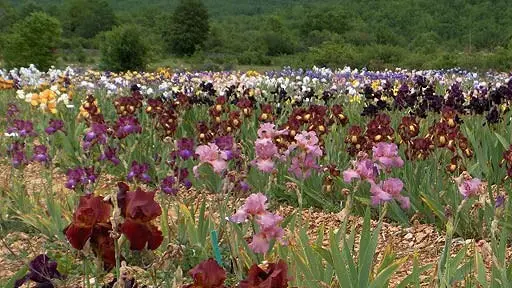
<point>216,7</point>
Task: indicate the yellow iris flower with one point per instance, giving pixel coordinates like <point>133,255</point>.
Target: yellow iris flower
<point>375,85</point>
<point>355,98</point>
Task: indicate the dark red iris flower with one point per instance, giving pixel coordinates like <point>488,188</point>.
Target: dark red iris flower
<point>275,276</point>
<point>91,221</point>
<point>207,274</point>
<point>91,211</point>
<point>139,208</point>
<point>102,245</point>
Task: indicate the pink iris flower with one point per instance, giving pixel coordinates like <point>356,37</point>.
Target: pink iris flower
<point>388,190</point>
<point>268,223</point>
<point>386,154</point>
<point>470,187</point>
<point>212,155</point>
<point>265,151</point>
<point>364,169</point>
<point>267,130</point>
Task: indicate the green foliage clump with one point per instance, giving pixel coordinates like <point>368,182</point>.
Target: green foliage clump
<point>189,27</point>
<point>8,15</point>
<point>33,40</point>
<point>29,7</point>
<point>124,49</point>
<point>87,18</point>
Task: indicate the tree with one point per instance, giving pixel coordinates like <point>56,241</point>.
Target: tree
<point>87,18</point>
<point>33,40</point>
<point>28,8</point>
<point>331,18</point>
<point>277,38</point>
<point>124,49</point>
<point>7,15</point>
<point>189,27</point>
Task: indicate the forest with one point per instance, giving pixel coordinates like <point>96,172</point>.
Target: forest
<point>375,34</point>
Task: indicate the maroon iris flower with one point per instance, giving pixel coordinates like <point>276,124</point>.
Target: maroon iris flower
<point>275,276</point>
<point>139,209</point>
<point>91,221</point>
<point>207,274</point>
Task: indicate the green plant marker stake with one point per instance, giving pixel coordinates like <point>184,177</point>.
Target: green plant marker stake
<point>215,245</point>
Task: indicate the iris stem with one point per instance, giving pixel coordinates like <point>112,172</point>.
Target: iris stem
<point>118,258</point>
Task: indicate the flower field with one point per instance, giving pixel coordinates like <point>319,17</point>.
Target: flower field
<point>290,178</point>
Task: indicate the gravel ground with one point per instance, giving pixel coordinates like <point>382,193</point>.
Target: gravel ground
<point>423,240</point>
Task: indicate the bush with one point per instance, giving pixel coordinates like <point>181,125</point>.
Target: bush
<point>383,56</point>
<point>210,66</point>
<point>124,49</point>
<point>278,43</point>
<point>80,56</point>
<point>253,58</point>
<point>334,55</point>
<point>33,40</point>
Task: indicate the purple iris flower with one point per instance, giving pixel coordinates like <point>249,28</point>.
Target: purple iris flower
<point>227,144</point>
<point>80,177</point>
<point>41,271</point>
<point>22,128</point>
<point>97,133</point>
<point>17,152</point>
<point>127,125</point>
<point>53,126</point>
<point>40,154</point>
<point>12,110</point>
<point>500,201</point>
<point>168,186</point>
<point>139,172</point>
<point>185,148</point>
<point>110,154</point>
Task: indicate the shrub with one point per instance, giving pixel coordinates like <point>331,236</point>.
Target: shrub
<point>33,40</point>
<point>278,43</point>
<point>333,55</point>
<point>124,49</point>
<point>253,58</point>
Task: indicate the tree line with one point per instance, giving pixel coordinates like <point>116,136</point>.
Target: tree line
<point>220,34</point>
